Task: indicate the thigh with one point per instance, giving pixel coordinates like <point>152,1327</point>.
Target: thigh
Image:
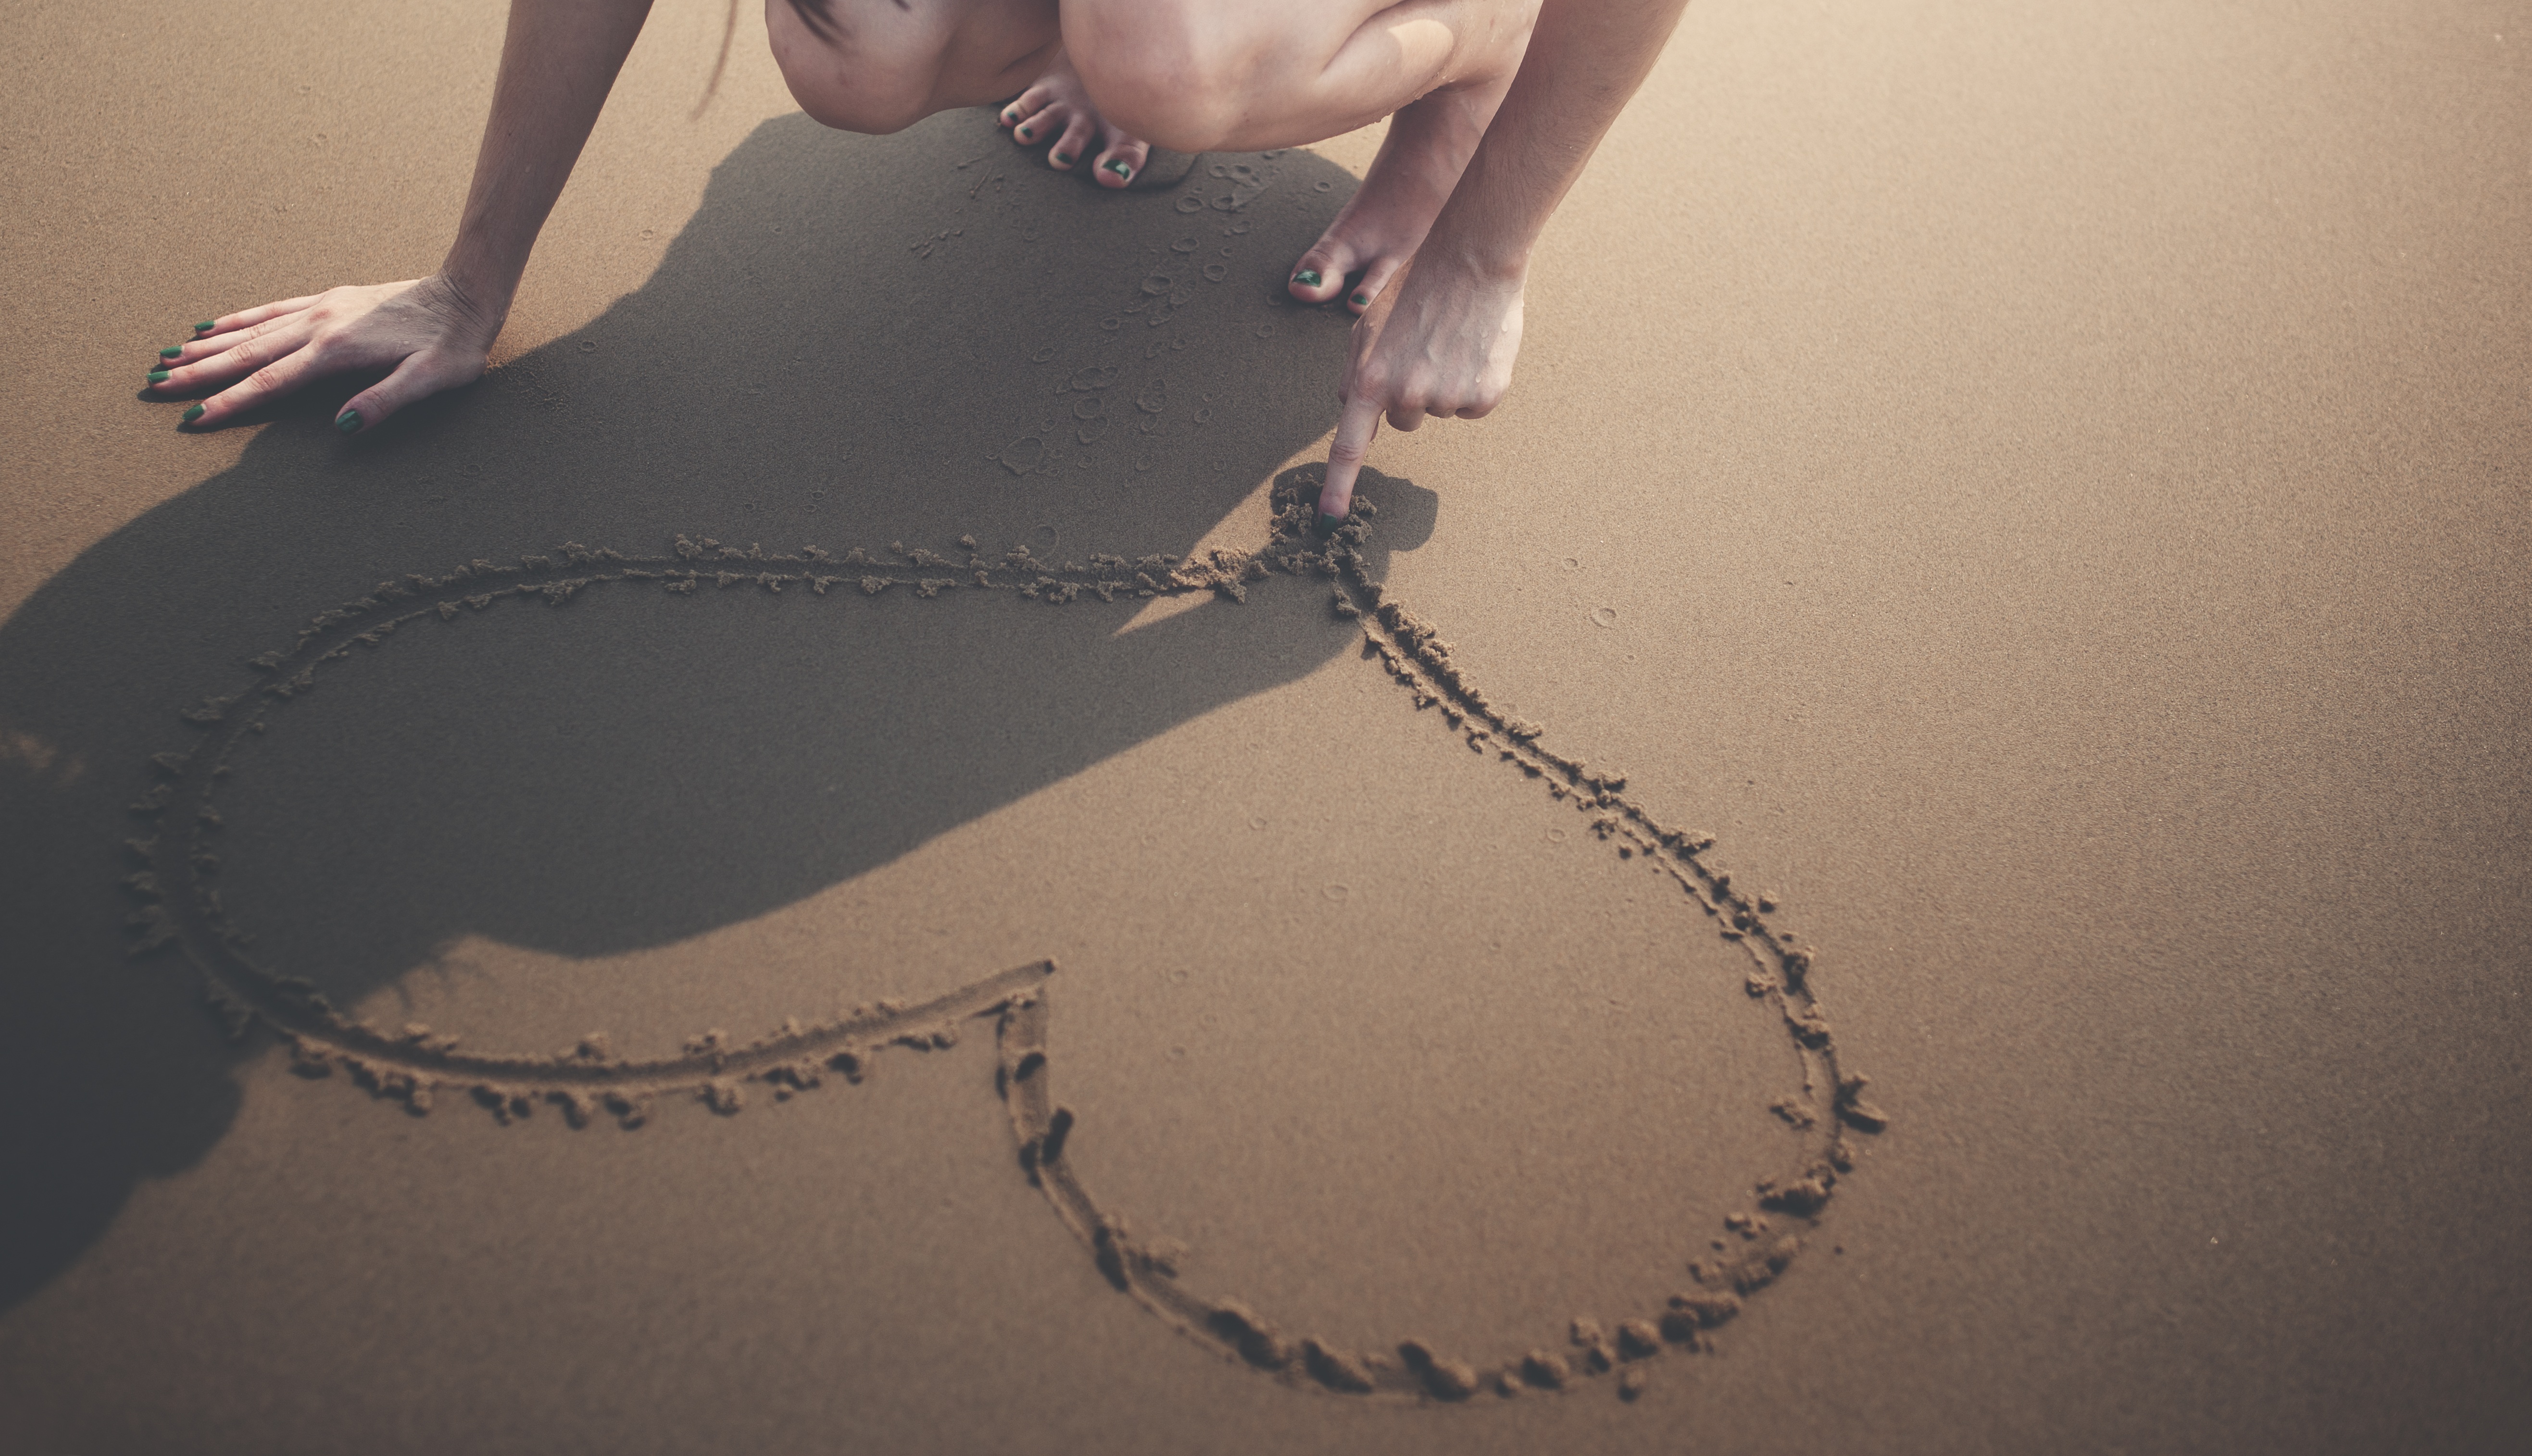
<point>881,65</point>
<point>1204,74</point>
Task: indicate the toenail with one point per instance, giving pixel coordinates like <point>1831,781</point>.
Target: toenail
<point>1307,278</point>
<point>1023,134</point>
<point>192,413</point>
<point>349,423</point>
<point>1120,169</point>
<point>1362,299</point>
<point>1062,160</point>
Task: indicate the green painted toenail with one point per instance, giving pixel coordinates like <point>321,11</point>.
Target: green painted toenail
<point>192,413</point>
<point>1062,160</point>
<point>157,376</point>
<point>1362,299</point>
<point>348,421</point>
<point>1120,169</point>
<point>204,326</point>
<point>171,351</point>
<point>1307,278</point>
<point>1023,134</point>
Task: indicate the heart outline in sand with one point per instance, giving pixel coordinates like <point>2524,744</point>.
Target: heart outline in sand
<point>179,909</point>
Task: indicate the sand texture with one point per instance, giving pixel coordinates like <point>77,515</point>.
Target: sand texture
<point>821,861</point>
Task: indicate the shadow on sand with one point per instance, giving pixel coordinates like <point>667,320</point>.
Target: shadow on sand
<point>857,341</point>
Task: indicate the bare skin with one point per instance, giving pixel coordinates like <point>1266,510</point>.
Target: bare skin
<point>1497,106</point>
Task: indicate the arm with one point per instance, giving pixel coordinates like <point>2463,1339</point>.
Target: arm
<point>1443,341</point>
<point>558,61</point>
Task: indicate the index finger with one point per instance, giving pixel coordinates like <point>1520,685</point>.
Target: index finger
<point>1355,430</point>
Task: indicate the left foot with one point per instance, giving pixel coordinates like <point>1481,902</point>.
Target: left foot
<point>1428,146</point>
<point>1059,107</point>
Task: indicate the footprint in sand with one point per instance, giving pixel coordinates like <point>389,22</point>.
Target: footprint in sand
<point>178,910</point>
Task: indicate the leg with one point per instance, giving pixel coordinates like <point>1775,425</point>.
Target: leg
<point>876,66</point>
<point>1199,75</point>
<point>880,67</point>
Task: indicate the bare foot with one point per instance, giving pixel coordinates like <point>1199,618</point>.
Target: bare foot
<point>1057,106</point>
<point>1428,146</point>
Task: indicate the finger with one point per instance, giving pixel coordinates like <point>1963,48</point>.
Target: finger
<point>261,387</point>
<point>1352,445</point>
<point>420,376</point>
<point>217,367</point>
<point>1123,159</point>
<point>1074,144</point>
<point>229,323</point>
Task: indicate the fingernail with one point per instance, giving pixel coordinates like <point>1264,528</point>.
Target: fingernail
<point>1307,278</point>
<point>1327,524</point>
<point>171,351</point>
<point>1119,168</point>
<point>348,421</point>
<point>1362,299</point>
<point>157,376</point>
<point>192,413</point>
<point>1062,160</point>
<point>204,326</point>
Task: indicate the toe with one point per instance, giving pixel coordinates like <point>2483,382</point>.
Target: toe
<point>1375,278</point>
<point>1074,144</point>
<point>1320,275</point>
<point>1026,105</point>
<point>1122,161</point>
<point>1037,125</point>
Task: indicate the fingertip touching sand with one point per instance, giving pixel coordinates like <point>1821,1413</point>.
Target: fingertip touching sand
<point>1496,106</point>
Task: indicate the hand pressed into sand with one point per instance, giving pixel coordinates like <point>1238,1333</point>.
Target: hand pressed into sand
<point>425,331</point>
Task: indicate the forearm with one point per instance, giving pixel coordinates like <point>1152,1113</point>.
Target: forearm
<point>1586,60</point>
<point>558,61</point>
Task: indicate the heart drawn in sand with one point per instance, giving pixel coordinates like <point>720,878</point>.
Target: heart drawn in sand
<point>179,909</point>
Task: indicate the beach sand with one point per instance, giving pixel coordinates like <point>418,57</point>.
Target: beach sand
<point>2003,571</point>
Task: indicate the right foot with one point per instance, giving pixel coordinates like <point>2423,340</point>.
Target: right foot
<point>1059,107</point>
<point>1428,146</point>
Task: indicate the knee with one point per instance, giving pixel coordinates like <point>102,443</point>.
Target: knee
<point>1174,74</point>
<point>874,78</point>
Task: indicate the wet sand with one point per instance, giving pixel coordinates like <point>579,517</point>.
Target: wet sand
<point>815,863</point>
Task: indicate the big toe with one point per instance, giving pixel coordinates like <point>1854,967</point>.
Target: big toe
<point>1320,275</point>
<point>1122,161</point>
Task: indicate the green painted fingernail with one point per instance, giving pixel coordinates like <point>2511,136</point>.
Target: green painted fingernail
<point>171,351</point>
<point>192,413</point>
<point>157,376</point>
<point>204,326</point>
<point>1327,523</point>
<point>1307,278</point>
<point>1362,299</point>
<point>348,421</point>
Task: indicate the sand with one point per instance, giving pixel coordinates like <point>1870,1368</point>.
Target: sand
<point>815,864</point>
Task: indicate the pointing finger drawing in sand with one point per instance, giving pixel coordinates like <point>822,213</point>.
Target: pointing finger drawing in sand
<point>1495,107</point>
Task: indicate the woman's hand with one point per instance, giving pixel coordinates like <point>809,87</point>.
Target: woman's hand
<point>1440,341</point>
<point>426,330</point>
